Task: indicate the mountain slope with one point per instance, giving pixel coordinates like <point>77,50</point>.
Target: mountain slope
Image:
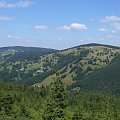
<point>72,65</point>
<point>26,49</point>
<point>88,58</point>
<point>21,53</point>
<point>106,79</point>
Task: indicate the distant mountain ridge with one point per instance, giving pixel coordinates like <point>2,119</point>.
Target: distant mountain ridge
<point>21,48</point>
<point>19,52</point>
<point>93,44</point>
<point>78,67</point>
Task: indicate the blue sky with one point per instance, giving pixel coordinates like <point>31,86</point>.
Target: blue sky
<point>59,24</point>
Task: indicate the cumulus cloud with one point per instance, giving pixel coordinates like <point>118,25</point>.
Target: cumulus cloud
<point>21,3</point>
<point>5,18</point>
<point>107,19</point>
<point>40,27</point>
<point>77,26</point>
<point>74,26</point>
<point>103,29</point>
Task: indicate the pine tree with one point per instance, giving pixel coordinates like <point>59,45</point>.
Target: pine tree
<point>77,116</point>
<point>57,102</point>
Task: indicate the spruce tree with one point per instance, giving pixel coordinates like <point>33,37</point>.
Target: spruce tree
<point>57,102</point>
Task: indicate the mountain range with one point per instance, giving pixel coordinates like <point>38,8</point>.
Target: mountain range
<point>91,67</point>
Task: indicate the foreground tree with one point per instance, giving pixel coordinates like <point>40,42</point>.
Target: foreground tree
<point>57,102</point>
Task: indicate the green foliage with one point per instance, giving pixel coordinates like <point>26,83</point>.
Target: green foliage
<point>94,106</point>
<point>55,108</point>
<point>19,102</point>
<point>84,53</point>
<point>106,80</point>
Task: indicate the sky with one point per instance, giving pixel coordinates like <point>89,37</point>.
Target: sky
<point>59,24</point>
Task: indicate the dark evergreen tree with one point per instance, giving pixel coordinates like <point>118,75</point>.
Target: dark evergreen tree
<point>77,116</point>
<point>57,102</point>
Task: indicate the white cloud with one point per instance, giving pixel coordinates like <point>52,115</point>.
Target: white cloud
<point>5,18</point>
<point>40,27</point>
<point>66,28</point>
<point>74,26</point>
<point>21,3</point>
<point>107,19</point>
<point>114,31</point>
<point>116,26</point>
<point>111,22</point>
<point>77,26</point>
<point>110,36</point>
<point>103,29</point>
<point>5,31</point>
<point>113,36</point>
<point>9,36</point>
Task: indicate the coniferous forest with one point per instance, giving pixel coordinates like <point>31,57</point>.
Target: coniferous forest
<point>18,102</point>
<point>80,83</point>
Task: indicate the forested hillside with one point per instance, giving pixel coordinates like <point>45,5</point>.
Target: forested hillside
<point>106,79</point>
<point>21,102</point>
<point>73,66</point>
<point>16,53</point>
